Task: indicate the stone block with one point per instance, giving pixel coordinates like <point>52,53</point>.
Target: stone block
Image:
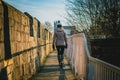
<point>23,37</point>
<point>11,22</point>
<point>21,70</point>
<point>19,26</point>
<point>10,12</point>
<point>16,61</point>
<point>22,59</point>
<point>22,28</point>
<point>15,13</point>
<point>19,19</point>
<point>2,51</point>
<point>26,69</point>
<point>16,73</point>
<point>10,76</point>
<point>35,22</point>
<point>9,69</point>
<point>1,22</point>
<point>27,77</point>
<point>16,26</point>
<point>1,35</point>
<point>22,46</point>
<point>32,55</point>
<point>28,57</point>
<point>12,34</point>
<point>18,37</point>
<point>27,38</point>
<point>35,51</point>
<point>31,39</point>
<point>1,8</point>
<point>8,62</point>
<point>25,20</point>
<point>32,67</point>
<point>27,29</point>
<point>13,47</point>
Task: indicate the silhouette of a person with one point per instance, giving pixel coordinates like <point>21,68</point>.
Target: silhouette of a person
<point>60,41</point>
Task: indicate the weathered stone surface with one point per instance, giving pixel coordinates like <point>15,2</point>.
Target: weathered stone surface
<point>9,69</point>
<point>16,73</point>
<point>2,51</point>
<point>10,10</point>
<point>2,22</point>
<point>8,62</point>
<point>22,59</point>
<point>12,34</point>
<point>52,71</point>
<point>10,77</point>
<point>16,61</point>
<point>18,37</point>
<point>1,65</point>
<point>13,47</point>
<point>26,58</point>
<point>1,9</point>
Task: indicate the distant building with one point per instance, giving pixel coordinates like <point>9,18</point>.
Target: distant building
<point>70,30</point>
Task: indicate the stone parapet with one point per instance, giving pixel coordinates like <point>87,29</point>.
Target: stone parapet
<point>24,44</point>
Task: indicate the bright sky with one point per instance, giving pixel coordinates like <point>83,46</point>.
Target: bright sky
<point>43,10</point>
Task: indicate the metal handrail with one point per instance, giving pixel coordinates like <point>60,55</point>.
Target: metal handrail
<point>84,65</point>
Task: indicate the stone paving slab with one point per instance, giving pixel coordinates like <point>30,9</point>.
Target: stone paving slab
<point>52,71</point>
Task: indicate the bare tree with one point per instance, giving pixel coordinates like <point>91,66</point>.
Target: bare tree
<point>101,16</point>
<point>78,13</point>
<point>48,26</point>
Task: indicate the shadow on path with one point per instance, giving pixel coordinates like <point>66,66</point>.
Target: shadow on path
<point>52,71</point>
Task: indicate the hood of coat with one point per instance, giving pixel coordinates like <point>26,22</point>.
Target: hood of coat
<point>59,30</point>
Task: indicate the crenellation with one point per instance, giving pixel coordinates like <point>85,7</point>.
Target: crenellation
<point>26,52</point>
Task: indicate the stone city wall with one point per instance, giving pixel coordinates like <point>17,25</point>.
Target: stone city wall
<point>24,44</point>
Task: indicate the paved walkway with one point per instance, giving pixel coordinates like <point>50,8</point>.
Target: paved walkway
<point>51,70</point>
